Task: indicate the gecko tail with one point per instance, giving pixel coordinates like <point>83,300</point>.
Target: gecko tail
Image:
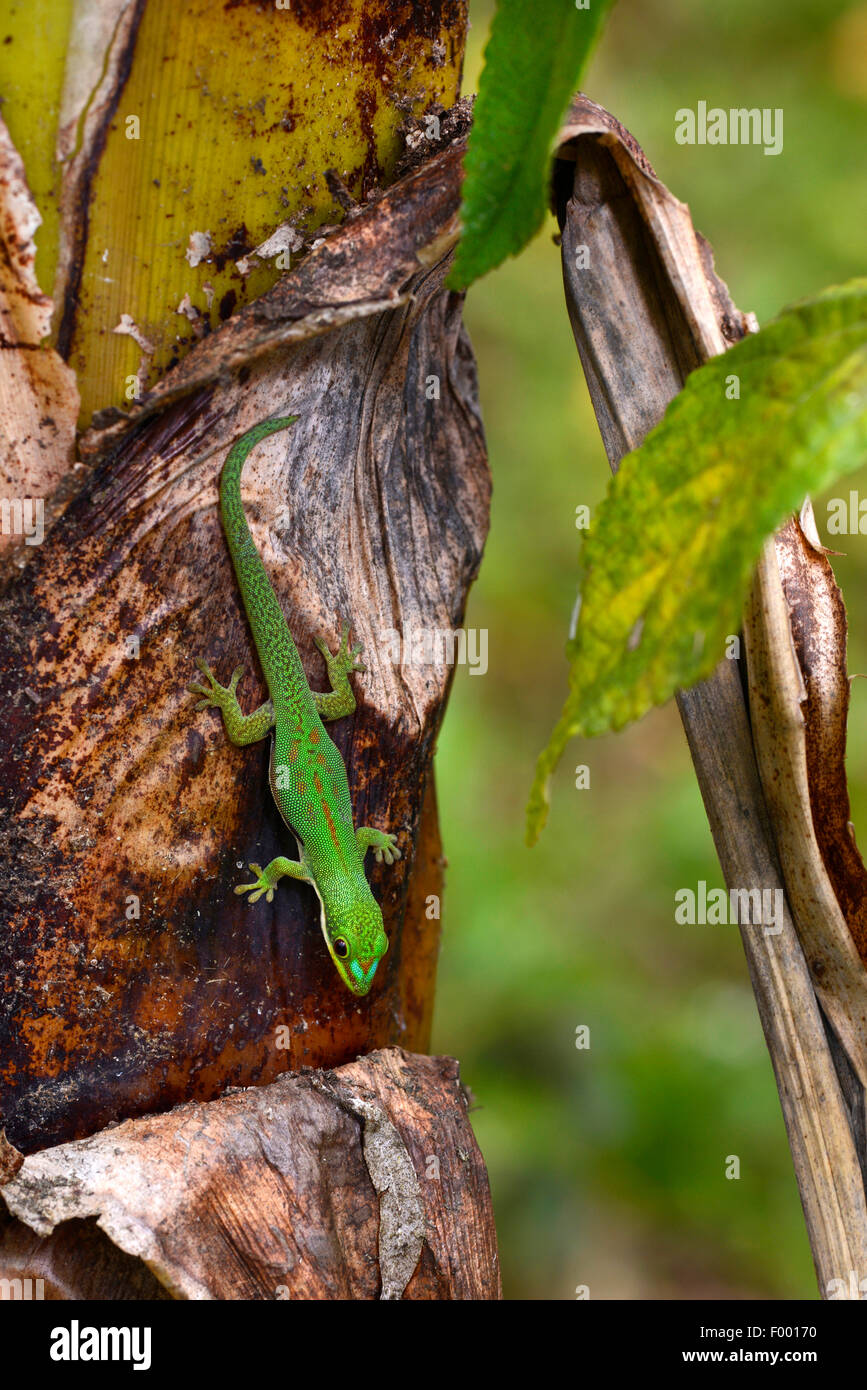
<point>277,651</point>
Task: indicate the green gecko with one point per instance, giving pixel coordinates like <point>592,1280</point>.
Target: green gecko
<point>307,774</point>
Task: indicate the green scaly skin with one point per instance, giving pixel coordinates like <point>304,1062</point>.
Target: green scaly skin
<point>307,775</point>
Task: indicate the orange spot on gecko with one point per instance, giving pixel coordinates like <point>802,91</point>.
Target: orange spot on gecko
<point>293,753</point>
<point>331,826</point>
<point>314,735</point>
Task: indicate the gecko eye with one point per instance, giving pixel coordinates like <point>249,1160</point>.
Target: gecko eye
<point>341,948</point>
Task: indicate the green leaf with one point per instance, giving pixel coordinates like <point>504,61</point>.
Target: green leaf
<point>669,556</point>
<point>533,61</point>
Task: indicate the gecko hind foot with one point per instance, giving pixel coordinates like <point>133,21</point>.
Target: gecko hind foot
<point>345,660</point>
<point>216,696</point>
<point>240,728</point>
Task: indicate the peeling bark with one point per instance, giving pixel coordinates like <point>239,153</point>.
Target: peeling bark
<point>361,1183</point>
<point>38,394</point>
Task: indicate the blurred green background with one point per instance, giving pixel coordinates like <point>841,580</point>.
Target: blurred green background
<point>607,1166</point>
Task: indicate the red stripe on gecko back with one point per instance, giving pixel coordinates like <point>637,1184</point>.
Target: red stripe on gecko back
<point>332,829</point>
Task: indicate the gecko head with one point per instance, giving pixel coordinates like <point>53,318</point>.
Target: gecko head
<point>356,942</point>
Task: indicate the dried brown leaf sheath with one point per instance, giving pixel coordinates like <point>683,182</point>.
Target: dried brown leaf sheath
<point>131,976</point>
<point>817,616</point>
<point>646,307</point>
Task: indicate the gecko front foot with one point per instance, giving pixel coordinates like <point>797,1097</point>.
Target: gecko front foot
<point>269,877</point>
<point>258,888</point>
<point>383,844</point>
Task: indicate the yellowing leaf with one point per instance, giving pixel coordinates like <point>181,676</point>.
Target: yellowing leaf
<point>668,559</point>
